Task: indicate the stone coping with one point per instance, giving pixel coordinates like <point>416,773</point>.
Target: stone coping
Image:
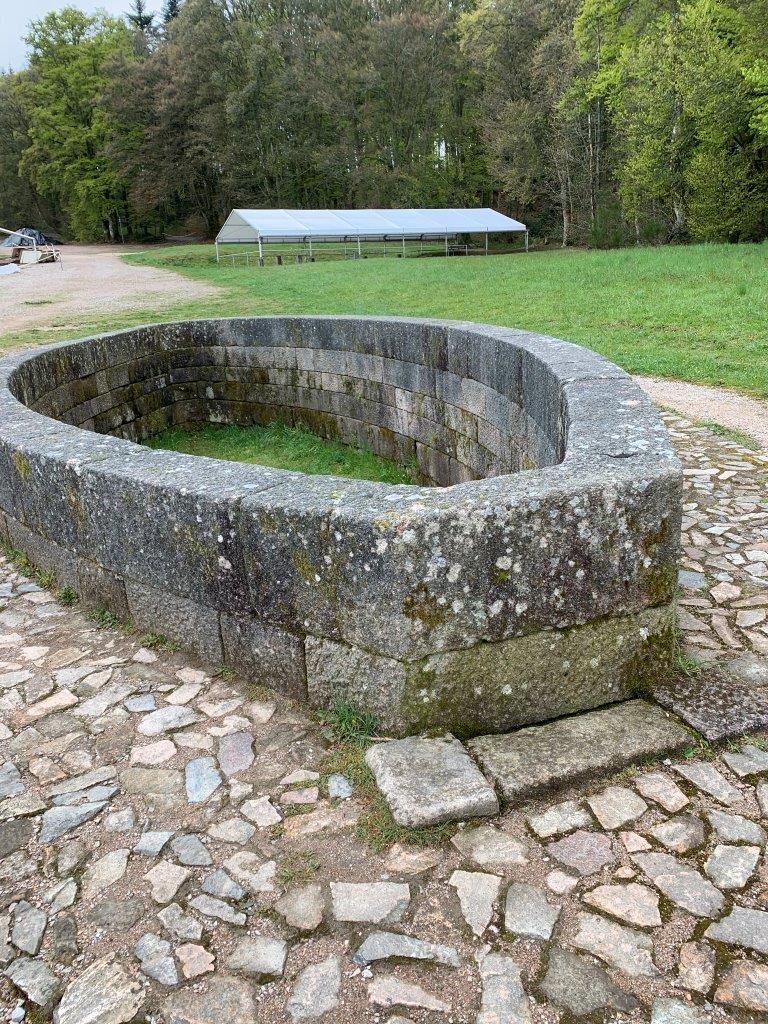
<point>400,573</point>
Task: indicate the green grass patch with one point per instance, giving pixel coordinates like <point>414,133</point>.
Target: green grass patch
<point>737,436</point>
<point>105,619</point>
<point>283,447</point>
<point>347,723</point>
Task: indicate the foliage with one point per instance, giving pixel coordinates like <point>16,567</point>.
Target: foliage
<point>348,723</point>
<point>597,121</point>
<point>283,447</point>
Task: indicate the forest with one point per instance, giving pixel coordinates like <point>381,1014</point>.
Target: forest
<point>597,122</point>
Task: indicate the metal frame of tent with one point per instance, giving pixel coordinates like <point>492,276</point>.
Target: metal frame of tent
<point>40,253</point>
<point>263,227</point>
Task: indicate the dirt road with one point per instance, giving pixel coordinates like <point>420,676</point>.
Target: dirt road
<point>90,280</point>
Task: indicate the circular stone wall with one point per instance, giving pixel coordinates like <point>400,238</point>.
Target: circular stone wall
<point>535,578</point>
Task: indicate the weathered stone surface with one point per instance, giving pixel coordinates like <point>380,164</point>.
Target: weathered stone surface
<point>733,828</point>
<point>166,879</point>
<point>180,925</point>
<point>616,806</point>
<point>370,902</point>
<point>559,819</point>
<point>584,852</point>
<point>261,812</point>
<point>488,847</point>
<point>29,924</point>
<point>709,780</point>
<point>731,867</point>
<point>744,986</point>
<point>386,990</point>
<point>236,753</point>
<point>212,907</point>
<point>503,997</point>
<point>540,758</point>
<point>16,835</point>
<point>429,781</point>
<point>661,790</point>
<point>390,946</point>
<point>620,947</point>
<point>57,821</point>
<point>167,719</point>
<point>681,884</point>
<point>202,779</point>
<point>258,957</point>
<point>302,907</point>
<point>528,912</point>
<point>223,999</point>
<point>680,834</point>
<point>578,985</point>
<point>103,994</point>
<point>316,990</point>
<point>38,983</point>
<point>195,960</point>
<point>742,927</point>
<point>748,760</point>
<point>633,904</point>
<point>191,851</point>
<point>666,1010</point>
<point>478,893</point>
<point>105,871</point>
<point>697,967</point>
<point>715,703</point>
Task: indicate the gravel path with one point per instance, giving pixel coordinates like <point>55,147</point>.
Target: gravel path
<point>713,405</point>
<point>89,280</point>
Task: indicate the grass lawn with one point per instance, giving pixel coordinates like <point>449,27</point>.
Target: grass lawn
<point>283,447</point>
<point>696,313</point>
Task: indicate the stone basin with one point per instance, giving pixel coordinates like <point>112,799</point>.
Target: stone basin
<point>530,576</point>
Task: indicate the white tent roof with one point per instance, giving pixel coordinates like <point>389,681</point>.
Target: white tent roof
<point>287,225</point>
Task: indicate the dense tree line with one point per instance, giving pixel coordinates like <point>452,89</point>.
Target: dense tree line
<point>597,121</point>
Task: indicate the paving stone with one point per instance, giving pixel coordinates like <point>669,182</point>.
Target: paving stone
<point>57,821</point>
<point>747,761</point>
<point>302,907</point>
<point>104,872</point>
<point>156,962</point>
<point>258,957</point>
<point>618,946</point>
<point>682,884</point>
<point>742,927</point>
<point>430,781</point>
<point>709,780</point>
<point>696,970</point>
<point>387,990</point>
<point>153,754</point>
<point>195,960</point>
<point>402,860</point>
<point>369,902</point>
<point>191,851</point>
<point>561,883</point>
<point>17,835</point>
<point>616,806</point>
<point>120,821</point>
<point>478,894</point>
<point>389,945</point>
<point>733,828</point>
<point>666,1010</point>
<point>488,846</point>
<point>223,998</point>
<point>528,912</point>
<point>633,904</point>
<point>167,719</point>
<point>680,834</point>
<point>62,939</point>
<point>339,787</point>
<point>583,852</point>
<point>116,915</point>
<point>715,704</point>
<point>163,785</point>
<point>252,871</point>
<point>60,896</point>
<point>103,994</point>
<point>261,812</point>
<point>731,867</point>
<point>10,780</point>
<point>536,760</point>
<point>212,907</point>
<point>298,797</point>
<point>150,844</point>
<point>503,996</point>
<point>559,819</point>
<point>29,924</point>
<point>202,779</point>
<point>218,883</point>
<point>236,753</point>
<point>37,981</point>
<point>316,990</point>
<point>233,830</point>
<point>166,879</point>
<point>181,926</point>
<point>744,986</point>
<point>579,986</point>
<point>661,790</point>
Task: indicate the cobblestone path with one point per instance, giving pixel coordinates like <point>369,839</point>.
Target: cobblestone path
<point>176,847</point>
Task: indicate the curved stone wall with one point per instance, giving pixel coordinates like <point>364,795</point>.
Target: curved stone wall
<point>533,578</point>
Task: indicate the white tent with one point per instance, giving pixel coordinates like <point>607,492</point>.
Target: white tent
<point>259,226</point>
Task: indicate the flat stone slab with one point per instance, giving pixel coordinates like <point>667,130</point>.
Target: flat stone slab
<point>540,758</point>
<point>718,704</point>
<point>430,781</point>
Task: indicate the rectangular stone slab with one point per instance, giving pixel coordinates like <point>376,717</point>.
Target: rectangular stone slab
<point>429,781</point>
<point>532,761</point>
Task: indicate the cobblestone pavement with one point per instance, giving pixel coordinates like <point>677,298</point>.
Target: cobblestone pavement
<point>176,847</point>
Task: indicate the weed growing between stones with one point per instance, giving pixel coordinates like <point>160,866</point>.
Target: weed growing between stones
<point>105,619</point>
<point>348,723</point>
<point>158,641</point>
<point>297,868</point>
<point>67,596</point>
<point>737,436</point>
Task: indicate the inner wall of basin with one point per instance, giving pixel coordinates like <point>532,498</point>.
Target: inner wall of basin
<point>460,405</point>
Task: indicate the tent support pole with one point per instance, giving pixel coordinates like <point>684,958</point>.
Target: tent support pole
<point>446,245</point>
<point>359,251</point>
<point>526,241</point>
<point>403,246</point>
<point>261,251</point>
<point>217,250</point>
<point>310,247</point>
<point>486,243</point>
